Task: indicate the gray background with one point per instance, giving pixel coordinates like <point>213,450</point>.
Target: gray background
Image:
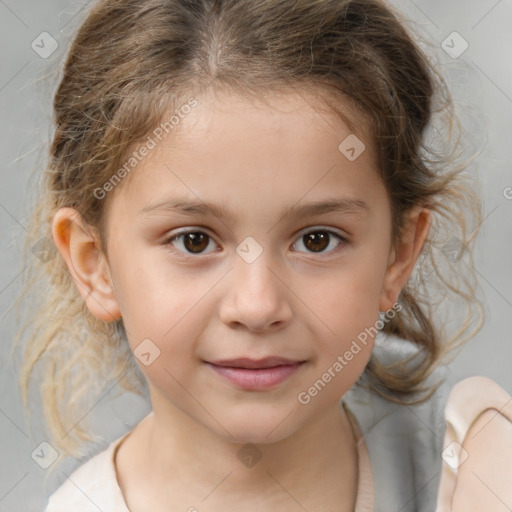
<point>481,80</point>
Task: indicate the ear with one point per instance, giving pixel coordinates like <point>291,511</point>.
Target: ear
<point>80,247</point>
<point>404,255</point>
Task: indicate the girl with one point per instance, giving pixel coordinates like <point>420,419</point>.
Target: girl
<point>252,222</point>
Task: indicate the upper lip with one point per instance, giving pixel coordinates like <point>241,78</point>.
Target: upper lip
<point>245,362</point>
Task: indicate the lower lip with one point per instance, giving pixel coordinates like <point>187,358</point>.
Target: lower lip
<point>263,378</point>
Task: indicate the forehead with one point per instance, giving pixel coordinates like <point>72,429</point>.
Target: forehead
<point>300,112</point>
<point>283,146</point>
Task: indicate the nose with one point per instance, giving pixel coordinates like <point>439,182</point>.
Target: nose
<point>256,297</point>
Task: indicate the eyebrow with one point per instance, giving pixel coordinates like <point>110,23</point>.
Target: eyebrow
<point>187,206</point>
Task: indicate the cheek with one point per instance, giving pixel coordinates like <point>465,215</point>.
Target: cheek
<point>168,308</point>
<point>342,310</point>
<point>344,300</point>
<point>164,338</point>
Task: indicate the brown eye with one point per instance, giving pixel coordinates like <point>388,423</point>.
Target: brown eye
<point>195,242</point>
<point>318,241</point>
<point>191,242</point>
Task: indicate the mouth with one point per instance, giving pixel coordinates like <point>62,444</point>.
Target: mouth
<point>255,364</point>
<point>255,374</point>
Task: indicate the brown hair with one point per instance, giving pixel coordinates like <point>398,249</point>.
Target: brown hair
<point>133,62</point>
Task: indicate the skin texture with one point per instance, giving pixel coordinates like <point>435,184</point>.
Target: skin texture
<point>255,160</point>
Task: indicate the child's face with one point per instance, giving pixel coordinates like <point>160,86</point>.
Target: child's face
<point>229,300</point>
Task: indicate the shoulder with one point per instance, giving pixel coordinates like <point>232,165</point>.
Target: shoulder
<point>91,487</point>
<point>477,443</point>
<point>404,442</point>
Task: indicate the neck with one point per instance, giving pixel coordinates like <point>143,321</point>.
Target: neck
<point>182,451</point>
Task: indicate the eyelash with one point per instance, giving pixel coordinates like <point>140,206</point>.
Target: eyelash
<point>342,241</point>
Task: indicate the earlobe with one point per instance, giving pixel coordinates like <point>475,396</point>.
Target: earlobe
<point>404,256</point>
<point>79,246</point>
